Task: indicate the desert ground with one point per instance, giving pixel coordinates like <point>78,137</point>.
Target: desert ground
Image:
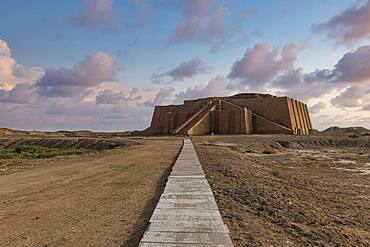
<point>280,190</point>
<point>95,189</point>
<point>80,191</point>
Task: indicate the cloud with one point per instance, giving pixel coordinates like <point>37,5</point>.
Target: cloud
<point>295,83</point>
<point>261,64</point>
<point>12,73</point>
<point>7,65</point>
<point>143,12</point>
<point>110,97</point>
<point>317,107</point>
<point>186,69</point>
<point>85,97</point>
<point>74,114</point>
<point>197,25</point>
<point>354,96</point>
<point>22,93</point>
<point>100,14</point>
<point>96,14</point>
<point>262,68</point>
<point>366,108</point>
<point>215,87</point>
<point>4,49</point>
<point>354,66</point>
<point>348,27</point>
<point>205,21</point>
<point>163,97</point>
<point>63,82</point>
<point>127,97</point>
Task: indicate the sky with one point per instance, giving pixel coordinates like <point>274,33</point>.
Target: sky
<point>103,65</point>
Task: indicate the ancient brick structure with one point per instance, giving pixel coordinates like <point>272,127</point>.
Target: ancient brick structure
<point>245,113</point>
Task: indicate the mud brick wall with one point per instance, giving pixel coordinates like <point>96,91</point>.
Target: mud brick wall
<point>238,114</point>
<point>272,108</point>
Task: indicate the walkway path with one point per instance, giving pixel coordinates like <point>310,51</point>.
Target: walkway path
<point>186,214</point>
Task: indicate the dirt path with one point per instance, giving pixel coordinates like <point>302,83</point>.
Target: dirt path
<point>306,196</point>
<point>96,201</point>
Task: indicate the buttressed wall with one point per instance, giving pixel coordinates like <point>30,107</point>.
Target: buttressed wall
<point>245,113</point>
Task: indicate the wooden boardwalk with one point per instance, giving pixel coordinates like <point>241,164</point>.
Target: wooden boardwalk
<point>186,214</point>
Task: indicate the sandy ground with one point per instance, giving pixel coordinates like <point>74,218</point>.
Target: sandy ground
<point>290,191</point>
<point>94,200</point>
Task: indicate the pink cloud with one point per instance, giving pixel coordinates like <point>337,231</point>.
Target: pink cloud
<point>366,108</point>
<point>350,26</point>
<point>206,21</point>
<point>64,82</point>
<point>215,87</point>
<point>96,13</point>
<point>354,66</point>
<point>186,69</point>
<point>354,96</point>
<point>203,28</point>
<point>316,108</point>
<point>101,14</point>
<point>22,93</point>
<point>262,63</point>
<point>294,83</point>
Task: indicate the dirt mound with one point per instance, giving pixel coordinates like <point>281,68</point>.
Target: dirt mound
<point>279,143</point>
<point>349,130</point>
<point>10,132</point>
<point>323,142</point>
<point>6,132</point>
<point>88,133</point>
<point>62,143</point>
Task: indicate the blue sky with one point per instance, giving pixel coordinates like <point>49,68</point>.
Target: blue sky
<point>144,38</point>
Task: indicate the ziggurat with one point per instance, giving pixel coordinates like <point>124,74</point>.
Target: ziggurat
<point>246,113</point>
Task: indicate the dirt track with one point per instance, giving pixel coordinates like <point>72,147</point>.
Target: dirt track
<point>101,200</point>
<point>312,192</point>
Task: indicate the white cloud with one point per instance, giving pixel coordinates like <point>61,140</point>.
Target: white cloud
<point>12,73</point>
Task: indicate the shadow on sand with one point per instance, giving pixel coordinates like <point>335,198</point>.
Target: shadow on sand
<point>143,221</point>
